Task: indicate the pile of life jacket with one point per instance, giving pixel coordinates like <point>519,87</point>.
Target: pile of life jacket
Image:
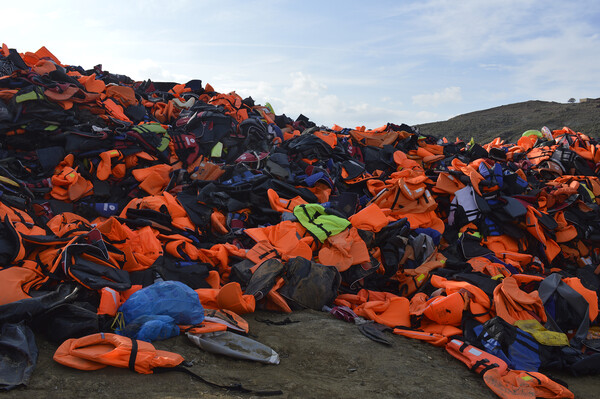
<point>109,185</point>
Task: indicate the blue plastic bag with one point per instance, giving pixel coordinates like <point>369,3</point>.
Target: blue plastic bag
<point>150,328</point>
<point>170,298</point>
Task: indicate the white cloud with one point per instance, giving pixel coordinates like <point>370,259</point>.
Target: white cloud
<point>495,67</point>
<point>307,95</point>
<point>448,95</point>
<point>428,116</point>
<point>497,51</point>
<point>556,68</point>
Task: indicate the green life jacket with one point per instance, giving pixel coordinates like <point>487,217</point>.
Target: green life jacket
<point>316,220</point>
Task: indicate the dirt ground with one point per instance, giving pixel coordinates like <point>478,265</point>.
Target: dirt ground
<point>321,357</point>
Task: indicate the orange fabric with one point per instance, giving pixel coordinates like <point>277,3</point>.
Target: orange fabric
<point>96,351</point>
<point>14,215</point>
<point>404,192</point>
<point>430,338</point>
<point>281,204</point>
<point>153,179</point>
<point>213,279</point>
<point>445,310</point>
<point>404,162</point>
<point>344,250</point>
<point>127,293</point>
<point>412,279</point>
<point>179,216</point>
<point>474,357</point>
<point>447,183</point>
<point>110,300</point>
<point>486,266</point>
<point>478,301</point>
<point>507,249</point>
<point>105,169</point>
<point>590,296</point>
<point>218,255</point>
<point>513,304</point>
<point>205,327</point>
<point>92,84</point>
<point>533,226</point>
<point>202,169</point>
<point>392,312</point>
<point>141,246</point>
<point>218,223</point>
<point>7,95</point>
<point>362,297</point>
<point>423,220</point>
<point>114,109</point>
<point>375,137</point>
<point>275,301</point>
<point>69,185</point>
<point>16,282</point>
<point>518,384</point>
<point>552,249</point>
<point>179,89</point>
<point>329,138</point>
<point>43,52</point>
<point>165,112</point>
<point>527,142</point>
<point>208,297</point>
<point>321,190</point>
<point>43,67</point>
<point>565,231</point>
<point>5,51</point>
<point>442,329</point>
<point>67,224</point>
<point>370,218</point>
<point>418,303</point>
<point>125,95</point>
<point>282,237</point>
<point>228,297</point>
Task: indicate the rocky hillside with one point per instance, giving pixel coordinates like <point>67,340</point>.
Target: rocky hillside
<point>510,121</point>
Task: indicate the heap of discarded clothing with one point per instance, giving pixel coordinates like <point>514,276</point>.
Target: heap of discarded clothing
<point>118,195</point>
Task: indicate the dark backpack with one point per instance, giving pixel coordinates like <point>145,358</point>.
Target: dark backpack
<point>516,347</point>
<point>309,284</point>
<point>209,128</point>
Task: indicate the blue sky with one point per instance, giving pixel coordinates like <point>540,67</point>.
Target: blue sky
<point>349,63</point>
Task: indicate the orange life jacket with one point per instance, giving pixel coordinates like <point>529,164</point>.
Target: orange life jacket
<point>476,360</point>
<point>228,297</point>
<point>518,384</point>
<point>96,351</point>
<point>392,312</point>
<point>514,304</point>
<point>478,302</point>
<point>344,249</point>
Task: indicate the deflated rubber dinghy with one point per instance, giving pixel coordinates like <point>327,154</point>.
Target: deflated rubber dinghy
<point>235,345</point>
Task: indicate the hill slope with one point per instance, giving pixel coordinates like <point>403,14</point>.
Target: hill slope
<point>510,121</point>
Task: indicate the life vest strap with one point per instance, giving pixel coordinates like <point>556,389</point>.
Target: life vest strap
<point>133,355</point>
<point>487,366</point>
<point>233,387</point>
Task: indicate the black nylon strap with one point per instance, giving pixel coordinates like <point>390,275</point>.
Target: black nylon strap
<point>480,362</point>
<point>133,356</point>
<point>488,368</point>
<point>264,255</point>
<point>311,220</point>
<point>233,387</point>
<point>268,322</point>
<point>395,198</point>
